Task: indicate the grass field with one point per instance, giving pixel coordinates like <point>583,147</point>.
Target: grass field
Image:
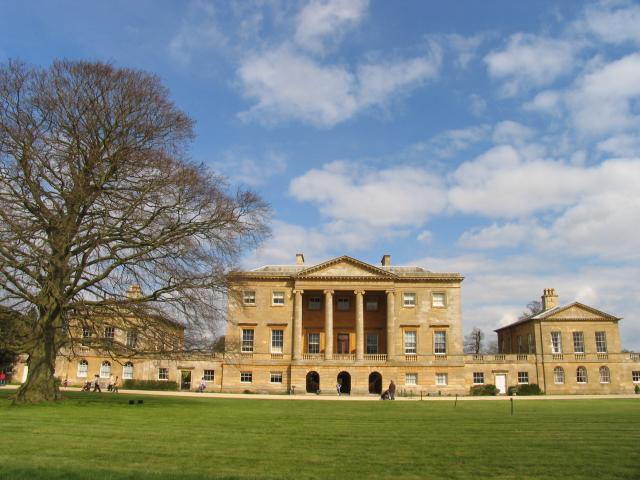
<point>101,436</point>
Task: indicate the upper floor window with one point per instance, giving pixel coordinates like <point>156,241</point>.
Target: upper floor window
<point>410,342</point>
<point>247,340</point>
<point>581,375</point>
<point>409,299</point>
<point>601,342</point>
<point>523,377</point>
<point>127,371</point>
<point>371,304</point>
<point>372,343</point>
<point>438,299</point>
<point>86,335</point>
<point>605,375</point>
<point>342,303</point>
<point>578,342</point>
<point>249,297</point>
<point>132,339</point>
<point>478,378</point>
<point>520,349</point>
<point>109,333</point>
<point>440,343</point>
<point>315,303</point>
<point>314,343</point>
<point>556,342</point>
<point>83,369</point>
<point>530,346</point>
<point>277,298</point>
<point>558,375</point>
<point>277,341</point>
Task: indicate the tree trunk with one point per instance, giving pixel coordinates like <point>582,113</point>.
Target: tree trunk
<point>41,385</point>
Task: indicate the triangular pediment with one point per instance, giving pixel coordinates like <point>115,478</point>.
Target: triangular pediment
<point>344,267</point>
<point>579,311</point>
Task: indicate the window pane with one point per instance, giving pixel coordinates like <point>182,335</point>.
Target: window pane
<point>343,303</point>
<point>372,343</point>
<point>127,371</point>
<point>605,376</point>
<point>411,379</point>
<point>410,342</point>
<point>558,375</point>
<point>437,300</point>
<point>276,377</point>
<point>247,340</point>
<point>105,370</point>
<point>601,342</point>
<point>440,343</point>
<point>371,304</point>
<point>315,303</point>
<point>581,375</point>
<point>523,377</point>
<point>209,375</point>
<point>556,342</point>
<point>278,298</point>
<point>314,343</point>
<point>441,379</point>
<point>409,299</point>
<point>478,377</point>
<point>83,369</point>
<point>249,297</point>
<point>578,342</point>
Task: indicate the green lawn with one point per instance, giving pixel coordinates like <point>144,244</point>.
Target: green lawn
<point>101,436</point>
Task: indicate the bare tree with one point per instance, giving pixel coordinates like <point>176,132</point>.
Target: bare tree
<point>534,307</point>
<point>473,341</point>
<point>96,193</point>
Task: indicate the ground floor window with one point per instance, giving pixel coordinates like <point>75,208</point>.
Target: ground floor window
<point>558,375</point>
<point>209,375</point>
<point>276,377</point>
<point>246,377</point>
<point>441,379</point>
<point>411,379</point>
<point>478,378</point>
<point>83,368</point>
<point>105,369</point>
<point>127,371</point>
<point>523,377</point>
<point>605,375</point>
<point>635,376</point>
<point>163,373</point>
<point>581,375</point>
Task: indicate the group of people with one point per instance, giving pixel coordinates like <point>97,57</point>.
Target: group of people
<point>93,385</point>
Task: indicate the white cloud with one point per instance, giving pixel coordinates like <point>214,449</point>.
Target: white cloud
<point>325,21</point>
<point>450,142</point>
<point>511,132</point>
<point>383,199</point>
<point>601,100</point>
<point>289,85</point>
<point>530,60</point>
<point>199,32</point>
<point>465,47</point>
<point>504,235</point>
<point>623,145</point>
<point>548,101</point>
<point>425,236</point>
<point>477,105</point>
<point>612,23</point>
<point>242,165</point>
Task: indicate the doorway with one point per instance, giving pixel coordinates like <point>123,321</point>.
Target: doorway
<point>185,379</point>
<point>343,343</point>
<point>313,382</point>
<point>375,383</point>
<point>344,379</point>
<point>501,383</point>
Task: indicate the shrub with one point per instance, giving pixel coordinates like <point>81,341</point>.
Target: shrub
<point>525,389</point>
<point>637,389</point>
<point>149,385</point>
<point>484,390</point>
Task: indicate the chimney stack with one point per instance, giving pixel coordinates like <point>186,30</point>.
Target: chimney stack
<point>549,299</point>
<point>134,291</point>
<point>299,259</point>
<point>386,260</point>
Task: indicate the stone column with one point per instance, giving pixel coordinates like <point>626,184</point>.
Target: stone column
<point>297,325</point>
<point>391,323</point>
<point>359,325</point>
<point>328,324</point>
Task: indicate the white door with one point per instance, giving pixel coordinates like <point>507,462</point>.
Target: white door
<point>501,383</point>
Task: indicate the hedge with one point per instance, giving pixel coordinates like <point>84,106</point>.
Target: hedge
<point>525,389</point>
<point>149,385</point>
<point>484,390</point>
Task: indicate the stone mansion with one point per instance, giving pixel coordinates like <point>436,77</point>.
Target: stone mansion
<point>306,328</point>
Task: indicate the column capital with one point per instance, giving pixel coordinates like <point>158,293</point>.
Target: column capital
<point>390,291</point>
<point>297,290</point>
<point>328,292</point>
<point>359,292</point>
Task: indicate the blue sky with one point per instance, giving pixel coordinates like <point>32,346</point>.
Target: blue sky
<point>497,139</point>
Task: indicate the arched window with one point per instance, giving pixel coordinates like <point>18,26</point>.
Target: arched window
<point>605,375</point>
<point>83,368</point>
<point>581,375</point>
<point>558,375</point>
<point>127,371</point>
<point>105,369</point>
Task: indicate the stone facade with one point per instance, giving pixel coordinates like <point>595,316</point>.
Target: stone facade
<point>305,329</point>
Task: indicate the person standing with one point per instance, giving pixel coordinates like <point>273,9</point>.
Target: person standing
<point>203,385</point>
<point>96,383</point>
<point>392,391</point>
<point>3,378</point>
<point>114,386</point>
<point>339,387</point>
